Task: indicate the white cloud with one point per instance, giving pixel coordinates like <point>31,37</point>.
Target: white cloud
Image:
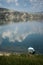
<point>36,4</point>
<point>13,1</point>
<point>13,36</point>
<point>16,2</point>
<point>15,33</point>
<point>6,34</point>
<point>22,37</point>
<point>10,33</point>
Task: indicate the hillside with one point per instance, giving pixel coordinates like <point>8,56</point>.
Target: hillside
<point>7,16</point>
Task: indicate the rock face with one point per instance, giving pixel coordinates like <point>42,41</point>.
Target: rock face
<point>31,50</point>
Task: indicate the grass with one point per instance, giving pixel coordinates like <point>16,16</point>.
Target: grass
<point>21,59</point>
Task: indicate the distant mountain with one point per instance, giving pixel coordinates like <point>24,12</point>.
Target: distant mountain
<point>7,15</point>
<point>41,12</point>
<point>2,9</point>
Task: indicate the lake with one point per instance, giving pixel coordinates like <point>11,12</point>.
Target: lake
<point>17,37</point>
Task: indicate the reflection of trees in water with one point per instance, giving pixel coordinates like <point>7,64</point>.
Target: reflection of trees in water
<point>5,20</point>
<point>8,17</point>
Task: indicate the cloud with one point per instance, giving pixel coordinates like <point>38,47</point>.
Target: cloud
<point>6,34</point>
<point>36,4</point>
<point>22,37</point>
<point>10,33</point>
<point>20,32</point>
<point>31,0</point>
<point>13,1</point>
<point>9,1</point>
<point>16,0</point>
<point>16,30</point>
<point>17,3</point>
<point>13,36</point>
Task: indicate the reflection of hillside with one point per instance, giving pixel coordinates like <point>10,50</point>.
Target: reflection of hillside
<point>8,15</point>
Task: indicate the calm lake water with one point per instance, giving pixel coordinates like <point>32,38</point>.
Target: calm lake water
<point>17,37</point>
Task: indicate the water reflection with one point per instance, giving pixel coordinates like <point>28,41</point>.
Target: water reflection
<point>22,34</point>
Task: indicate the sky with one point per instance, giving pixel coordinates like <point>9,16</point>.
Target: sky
<point>23,5</point>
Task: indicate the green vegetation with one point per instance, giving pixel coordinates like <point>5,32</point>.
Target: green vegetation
<point>21,59</point>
